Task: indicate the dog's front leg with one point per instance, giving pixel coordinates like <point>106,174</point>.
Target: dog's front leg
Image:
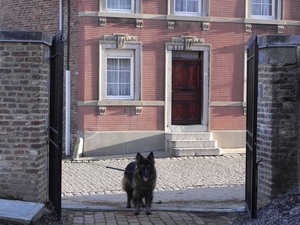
<point>137,208</point>
<point>137,203</point>
<point>129,197</point>
<point>148,199</point>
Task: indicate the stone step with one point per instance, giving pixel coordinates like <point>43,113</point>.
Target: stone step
<point>192,143</point>
<point>196,151</point>
<point>20,212</point>
<point>188,136</point>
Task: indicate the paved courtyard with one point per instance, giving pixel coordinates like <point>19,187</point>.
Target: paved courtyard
<point>190,190</point>
<point>86,177</point>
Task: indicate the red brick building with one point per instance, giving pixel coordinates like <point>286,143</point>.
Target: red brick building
<point>184,64</point>
<point>169,74</point>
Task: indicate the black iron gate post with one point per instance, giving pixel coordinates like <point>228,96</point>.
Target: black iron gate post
<point>55,123</point>
<point>251,127</point>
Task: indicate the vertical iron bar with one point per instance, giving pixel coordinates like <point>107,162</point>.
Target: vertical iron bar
<point>251,127</point>
<point>55,131</point>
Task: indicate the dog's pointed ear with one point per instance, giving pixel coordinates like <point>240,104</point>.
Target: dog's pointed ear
<point>138,158</point>
<point>151,157</point>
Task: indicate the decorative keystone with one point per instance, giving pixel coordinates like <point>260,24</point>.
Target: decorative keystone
<point>120,39</point>
<point>187,41</point>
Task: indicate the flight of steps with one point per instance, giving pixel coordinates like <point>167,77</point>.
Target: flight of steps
<point>191,144</point>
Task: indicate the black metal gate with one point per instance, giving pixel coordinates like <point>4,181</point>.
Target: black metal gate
<point>56,117</point>
<point>251,127</point>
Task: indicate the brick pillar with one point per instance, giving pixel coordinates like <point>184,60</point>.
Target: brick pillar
<point>24,100</point>
<point>278,116</point>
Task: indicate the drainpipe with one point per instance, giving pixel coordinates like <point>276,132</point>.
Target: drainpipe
<point>68,87</point>
<point>60,15</point>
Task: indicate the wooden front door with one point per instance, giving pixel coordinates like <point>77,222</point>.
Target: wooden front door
<point>186,91</point>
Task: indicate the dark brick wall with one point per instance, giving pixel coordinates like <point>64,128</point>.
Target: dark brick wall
<point>43,15</point>
<point>278,119</point>
<point>29,15</point>
<point>24,100</point>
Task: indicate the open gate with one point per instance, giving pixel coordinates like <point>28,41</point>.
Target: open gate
<point>55,123</point>
<point>251,127</point>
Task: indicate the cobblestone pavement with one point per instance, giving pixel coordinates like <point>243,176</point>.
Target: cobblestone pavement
<point>176,173</point>
<point>92,178</point>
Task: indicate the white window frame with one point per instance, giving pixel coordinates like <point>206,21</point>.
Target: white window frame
<point>268,17</point>
<point>131,10</point>
<point>121,54</point>
<point>110,47</point>
<point>136,7</point>
<point>277,11</point>
<point>184,13</point>
<point>202,11</point>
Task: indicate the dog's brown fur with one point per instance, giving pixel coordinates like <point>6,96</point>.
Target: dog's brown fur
<point>139,182</point>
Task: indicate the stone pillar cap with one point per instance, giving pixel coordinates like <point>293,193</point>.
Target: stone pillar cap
<point>278,40</point>
<point>25,36</point>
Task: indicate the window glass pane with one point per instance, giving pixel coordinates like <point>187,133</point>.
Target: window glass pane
<point>124,77</point>
<point>119,4</point>
<point>112,64</point>
<point>125,64</point>
<point>112,89</point>
<point>126,4</point>
<point>112,77</point>
<point>262,7</point>
<point>112,4</point>
<point>186,5</point>
<point>180,5</point>
<point>256,9</point>
<point>118,77</point>
<point>125,89</point>
<point>192,6</point>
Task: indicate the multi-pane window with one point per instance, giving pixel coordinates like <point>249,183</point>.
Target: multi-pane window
<point>264,9</point>
<point>120,5</point>
<point>119,74</point>
<point>187,7</point>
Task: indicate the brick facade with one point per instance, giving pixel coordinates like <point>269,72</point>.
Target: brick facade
<point>225,29</point>
<point>24,97</point>
<point>225,33</point>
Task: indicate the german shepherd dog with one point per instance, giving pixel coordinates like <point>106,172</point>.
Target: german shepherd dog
<point>139,182</point>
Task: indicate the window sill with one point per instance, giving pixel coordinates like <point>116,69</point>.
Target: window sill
<point>121,103</point>
<point>265,21</point>
<point>153,16</point>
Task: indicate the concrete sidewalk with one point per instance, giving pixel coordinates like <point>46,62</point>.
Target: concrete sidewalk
<point>218,199</point>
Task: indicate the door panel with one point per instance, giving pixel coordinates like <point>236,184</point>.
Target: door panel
<point>186,92</point>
